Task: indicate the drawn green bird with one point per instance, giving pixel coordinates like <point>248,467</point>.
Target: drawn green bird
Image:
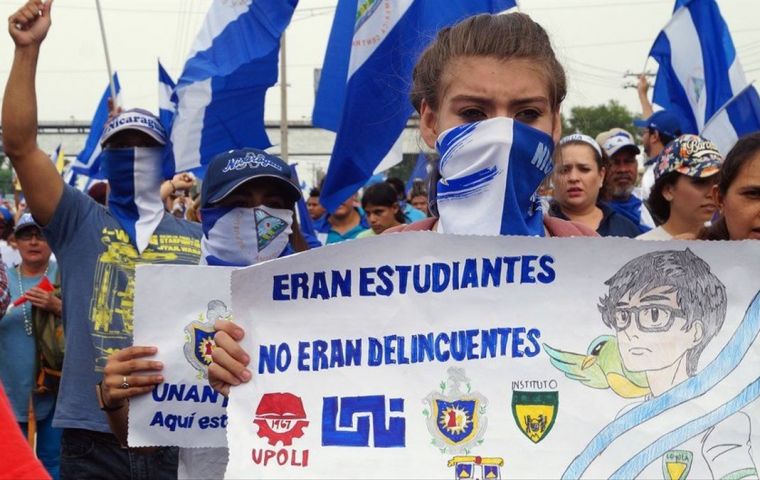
<point>601,367</point>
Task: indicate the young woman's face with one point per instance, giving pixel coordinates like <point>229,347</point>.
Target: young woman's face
<point>741,204</point>
<point>577,178</point>
<point>381,217</point>
<point>480,88</point>
<point>691,198</point>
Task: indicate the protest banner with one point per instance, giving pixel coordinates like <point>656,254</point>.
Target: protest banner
<point>175,310</point>
<point>421,355</point>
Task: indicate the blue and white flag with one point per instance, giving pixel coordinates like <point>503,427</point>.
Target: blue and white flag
<point>386,41</point>
<point>698,68</point>
<point>220,94</point>
<point>304,219</point>
<point>739,117</point>
<point>87,162</point>
<point>167,100</point>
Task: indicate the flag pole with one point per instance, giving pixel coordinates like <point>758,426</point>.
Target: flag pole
<point>283,101</point>
<point>114,100</point>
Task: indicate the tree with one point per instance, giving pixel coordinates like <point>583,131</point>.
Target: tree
<point>597,119</point>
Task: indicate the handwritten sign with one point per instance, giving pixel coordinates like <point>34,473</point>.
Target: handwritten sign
<point>429,356</point>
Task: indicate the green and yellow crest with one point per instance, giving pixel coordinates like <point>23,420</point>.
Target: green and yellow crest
<point>535,413</point>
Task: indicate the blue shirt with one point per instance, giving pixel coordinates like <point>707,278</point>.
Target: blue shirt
<point>322,225</point>
<point>97,263</point>
<point>18,352</point>
<point>631,209</point>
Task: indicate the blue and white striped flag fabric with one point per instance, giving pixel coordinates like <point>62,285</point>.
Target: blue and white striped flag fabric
<point>387,38</point>
<point>220,94</point>
<point>135,177</point>
<point>645,433</point>
<point>739,117</point>
<point>167,100</point>
<point>698,68</point>
<point>88,162</point>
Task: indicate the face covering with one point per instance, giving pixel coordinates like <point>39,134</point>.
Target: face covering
<point>490,172</point>
<point>239,237</point>
<point>135,176</point>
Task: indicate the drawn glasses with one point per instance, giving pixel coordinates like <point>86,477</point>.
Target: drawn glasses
<point>649,318</point>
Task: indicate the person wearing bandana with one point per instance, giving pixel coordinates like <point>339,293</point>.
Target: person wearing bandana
<point>488,91</point>
<point>97,251</point>
<point>248,201</point>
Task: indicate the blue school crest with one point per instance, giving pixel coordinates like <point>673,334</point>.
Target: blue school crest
<point>456,419</point>
<point>199,337</point>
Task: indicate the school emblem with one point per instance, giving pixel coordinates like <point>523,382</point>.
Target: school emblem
<point>676,464</point>
<point>535,412</point>
<point>280,418</point>
<point>471,467</point>
<point>456,419</point>
<point>199,337</point>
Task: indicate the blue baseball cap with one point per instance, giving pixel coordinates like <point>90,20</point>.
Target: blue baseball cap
<point>5,215</point>
<point>663,121</point>
<point>230,169</point>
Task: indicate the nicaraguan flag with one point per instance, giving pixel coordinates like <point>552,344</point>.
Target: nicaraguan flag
<point>645,433</point>
<point>58,159</point>
<point>88,162</point>
<point>220,94</point>
<point>698,68</point>
<point>737,118</point>
<point>167,100</point>
<point>304,219</point>
<point>368,75</point>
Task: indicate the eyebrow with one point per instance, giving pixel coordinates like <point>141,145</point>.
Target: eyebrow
<point>653,298</point>
<point>488,100</point>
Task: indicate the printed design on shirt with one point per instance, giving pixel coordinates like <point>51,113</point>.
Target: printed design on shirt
<point>112,300</point>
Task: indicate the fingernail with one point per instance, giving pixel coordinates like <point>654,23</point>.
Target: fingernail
<point>158,365</point>
<point>238,334</point>
<point>246,359</point>
<point>246,375</point>
<point>160,378</point>
<point>153,349</point>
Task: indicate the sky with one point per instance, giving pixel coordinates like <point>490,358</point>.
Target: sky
<point>598,42</point>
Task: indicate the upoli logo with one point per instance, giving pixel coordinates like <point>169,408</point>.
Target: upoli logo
<point>466,467</point>
<point>199,337</point>
<point>280,418</point>
<point>456,420</point>
<point>535,413</point>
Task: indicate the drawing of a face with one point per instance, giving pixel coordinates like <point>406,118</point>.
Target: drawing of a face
<point>651,330</point>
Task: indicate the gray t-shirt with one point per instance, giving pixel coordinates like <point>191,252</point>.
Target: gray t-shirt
<point>97,264</point>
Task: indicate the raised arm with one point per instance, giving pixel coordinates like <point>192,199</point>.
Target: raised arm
<point>40,181</point>
<point>642,88</point>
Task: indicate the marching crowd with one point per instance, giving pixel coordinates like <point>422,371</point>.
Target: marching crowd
<point>486,75</point>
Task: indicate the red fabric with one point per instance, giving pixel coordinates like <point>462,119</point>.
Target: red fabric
<point>17,461</point>
<point>555,226</point>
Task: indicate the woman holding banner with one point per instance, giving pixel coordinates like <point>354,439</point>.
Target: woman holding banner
<point>488,91</point>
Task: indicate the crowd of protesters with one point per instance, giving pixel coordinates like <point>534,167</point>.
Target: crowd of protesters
<point>665,185</point>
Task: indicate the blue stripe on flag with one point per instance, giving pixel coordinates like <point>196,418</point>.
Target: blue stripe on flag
<point>331,94</point>
<point>420,172</point>
<point>88,162</point>
<point>744,112</point>
<point>377,106</point>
